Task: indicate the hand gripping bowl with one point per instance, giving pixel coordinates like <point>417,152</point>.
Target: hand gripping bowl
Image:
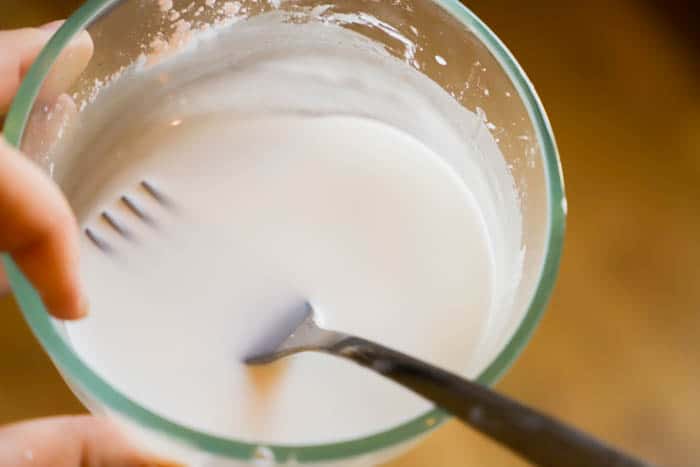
<point>456,50</point>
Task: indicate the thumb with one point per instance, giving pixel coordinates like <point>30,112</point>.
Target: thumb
<point>82,441</point>
<point>39,231</point>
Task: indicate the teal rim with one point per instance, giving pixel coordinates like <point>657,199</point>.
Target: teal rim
<point>79,373</point>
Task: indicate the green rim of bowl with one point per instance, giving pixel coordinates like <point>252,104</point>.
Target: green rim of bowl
<point>80,374</point>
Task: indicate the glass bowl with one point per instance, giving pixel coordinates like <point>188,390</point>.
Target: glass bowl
<point>451,46</point>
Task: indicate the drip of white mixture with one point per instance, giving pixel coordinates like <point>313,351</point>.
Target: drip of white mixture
<point>303,163</point>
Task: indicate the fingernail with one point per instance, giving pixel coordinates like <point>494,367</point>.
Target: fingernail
<point>52,26</point>
<point>70,313</point>
<point>162,463</point>
<point>84,308</point>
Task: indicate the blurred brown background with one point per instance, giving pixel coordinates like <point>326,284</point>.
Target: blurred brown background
<point>618,352</point>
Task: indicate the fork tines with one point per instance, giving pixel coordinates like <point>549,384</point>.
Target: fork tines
<point>155,193</point>
<point>99,242</point>
<point>133,207</point>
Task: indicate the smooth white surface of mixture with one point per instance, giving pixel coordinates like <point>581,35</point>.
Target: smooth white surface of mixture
<point>308,166</point>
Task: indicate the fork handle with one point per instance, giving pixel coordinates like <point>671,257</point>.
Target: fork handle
<point>536,437</point>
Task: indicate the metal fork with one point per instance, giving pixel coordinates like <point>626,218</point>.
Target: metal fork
<point>134,208</point>
<point>535,436</point>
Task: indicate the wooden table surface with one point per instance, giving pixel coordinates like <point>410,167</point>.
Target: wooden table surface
<point>618,352</point>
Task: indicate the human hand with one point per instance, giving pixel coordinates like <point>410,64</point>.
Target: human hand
<point>39,231</point>
<point>38,228</point>
<point>80,441</point>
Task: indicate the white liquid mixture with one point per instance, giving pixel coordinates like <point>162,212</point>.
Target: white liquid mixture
<point>314,169</point>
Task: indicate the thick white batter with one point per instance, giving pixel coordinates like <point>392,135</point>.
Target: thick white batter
<point>294,176</point>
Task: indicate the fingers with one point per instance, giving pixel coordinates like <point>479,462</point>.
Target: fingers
<point>20,48</point>
<point>38,229</point>
<point>46,125</point>
<point>68,66</point>
<point>70,442</point>
<point>49,256</point>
